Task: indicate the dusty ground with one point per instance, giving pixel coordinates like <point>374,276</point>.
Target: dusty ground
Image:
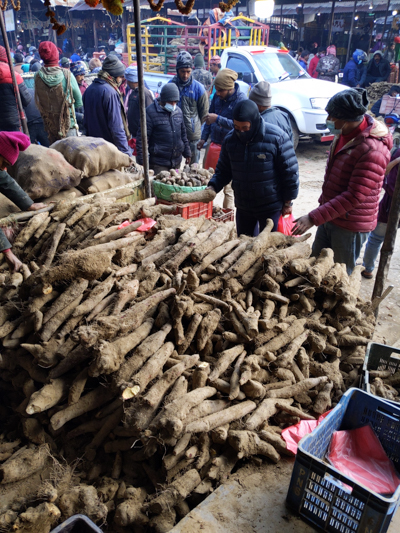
<point>253,500</point>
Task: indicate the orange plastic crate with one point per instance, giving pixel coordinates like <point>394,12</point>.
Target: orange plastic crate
<point>227,215</point>
<point>192,210</point>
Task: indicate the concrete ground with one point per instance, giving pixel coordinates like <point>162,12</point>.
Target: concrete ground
<point>253,499</point>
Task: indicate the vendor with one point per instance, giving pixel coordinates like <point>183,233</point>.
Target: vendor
<point>11,142</point>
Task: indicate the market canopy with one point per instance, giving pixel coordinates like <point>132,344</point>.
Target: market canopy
<point>80,5</point>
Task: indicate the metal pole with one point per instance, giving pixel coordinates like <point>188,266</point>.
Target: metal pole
<point>143,125</point>
<point>331,24</point>
<point>351,31</point>
<point>384,24</point>
<point>96,40</point>
<point>388,243</point>
<point>22,116</point>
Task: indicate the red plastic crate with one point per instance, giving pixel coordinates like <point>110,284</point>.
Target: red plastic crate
<point>227,215</point>
<point>192,210</point>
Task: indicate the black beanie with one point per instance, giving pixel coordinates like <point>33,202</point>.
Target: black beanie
<point>169,93</point>
<point>113,66</point>
<point>184,60</point>
<point>350,105</point>
<point>247,111</point>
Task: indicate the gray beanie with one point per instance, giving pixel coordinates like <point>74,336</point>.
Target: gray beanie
<point>261,94</point>
<point>113,66</point>
<point>184,60</point>
<point>199,61</point>
<point>351,105</point>
<point>169,93</point>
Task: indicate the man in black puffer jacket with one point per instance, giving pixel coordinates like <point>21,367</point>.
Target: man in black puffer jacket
<point>9,114</point>
<point>259,159</point>
<point>166,132</point>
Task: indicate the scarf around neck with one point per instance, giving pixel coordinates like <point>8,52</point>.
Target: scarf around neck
<point>112,81</point>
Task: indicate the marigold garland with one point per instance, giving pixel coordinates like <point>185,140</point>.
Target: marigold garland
<point>4,4</point>
<point>225,7</point>
<point>114,7</point>
<point>92,3</point>
<point>185,10</point>
<point>156,7</point>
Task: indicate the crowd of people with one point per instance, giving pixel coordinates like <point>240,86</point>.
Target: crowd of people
<point>248,141</point>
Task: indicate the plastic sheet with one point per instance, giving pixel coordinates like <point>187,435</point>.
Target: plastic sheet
<point>147,224</point>
<point>358,454</point>
<point>293,434</point>
<point>285,224</point>
<point>212,156</point>
<point>132,144</point>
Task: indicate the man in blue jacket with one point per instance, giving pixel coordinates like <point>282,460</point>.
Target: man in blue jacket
<point>104,107</point>
<point>193,101</point>
<point>219,122</point>
<point>355,71</point>
<point>259,159</point>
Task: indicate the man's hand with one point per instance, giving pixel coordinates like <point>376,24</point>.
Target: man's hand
<point>14,264</point>
<point>301,225</point>
<point>200,144</point>
<point>211,118</point>
<point>187,160</point>
<point>286,210</point>
<point>36,207</point>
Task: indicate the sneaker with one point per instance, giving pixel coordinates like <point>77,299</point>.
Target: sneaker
<point>367,275</point>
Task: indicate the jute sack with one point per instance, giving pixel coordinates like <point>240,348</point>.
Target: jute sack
<point>92,155</point>
<point>106,181</point>
<point>43,172</point>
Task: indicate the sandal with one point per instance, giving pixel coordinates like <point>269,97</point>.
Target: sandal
<point>367,275</point>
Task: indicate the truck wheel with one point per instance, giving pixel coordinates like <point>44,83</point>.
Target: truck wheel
<point>295,133</point>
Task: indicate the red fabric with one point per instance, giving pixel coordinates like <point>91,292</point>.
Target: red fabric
<point>353,180</point>
<point>285,224</point>
<point>3,55</point>
<point>49,53</point>
<point>344,139</point>
<point>312,67</point>
<point>5,74</point>
<point>82,87</point>
<point>11,143</point>
<point>132,144</point>
<point>212,156</point>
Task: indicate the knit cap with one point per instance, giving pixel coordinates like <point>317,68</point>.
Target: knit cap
<point>184,60</point>
<point>11,143</point>
<point>131,74</point>
<point>199,61</point>
<point>215,60</point>
<point>49,53</point>
<point>350,105</point>
<point>113,66</point>
<point>261,94</point>
<point>169,93</point>
<point>225,79</point>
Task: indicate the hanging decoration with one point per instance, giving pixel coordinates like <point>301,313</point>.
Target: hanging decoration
<point>16,4</point>
<point>92,3</point>
<point>156,7</point>
<point>227,6</point>
<point>115,7</point>
<point>185,10</point>
<point>59,28</point>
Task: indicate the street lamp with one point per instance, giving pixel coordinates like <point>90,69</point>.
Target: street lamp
<point>264,9</point>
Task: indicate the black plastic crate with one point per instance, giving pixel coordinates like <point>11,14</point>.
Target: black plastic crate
<point>379,357</point>
<point>78,523</point>
<point>330,500</point>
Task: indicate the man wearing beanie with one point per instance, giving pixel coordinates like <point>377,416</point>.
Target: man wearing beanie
<point>259,159</point>
<point>132,102</point>
<point>353,179</point>
<point>57,94</point>
<point>11,143</point>
<point>166,132</point>
<point>9,114</point>
<point>200,74</point>
<point>193,101</point>
<point>104,106</point>
<point>261,94</point>
<point>219,122</point>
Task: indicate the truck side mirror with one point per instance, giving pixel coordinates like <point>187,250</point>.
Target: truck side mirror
<point>248,77</point>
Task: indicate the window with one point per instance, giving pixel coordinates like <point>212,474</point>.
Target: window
<point>239,65</point>
<point>279,67</point>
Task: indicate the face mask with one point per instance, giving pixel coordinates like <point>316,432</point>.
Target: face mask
<point>244,136</point>
<point>359,61</point>
<point>331,127</point>
<point>169,107</point>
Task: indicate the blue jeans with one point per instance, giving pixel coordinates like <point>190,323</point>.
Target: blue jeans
<point>346,245</point>
<point>249,224</point>
<point>373,246</point>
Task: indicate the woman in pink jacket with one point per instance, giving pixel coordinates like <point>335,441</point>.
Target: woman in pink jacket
<point>353,179</point>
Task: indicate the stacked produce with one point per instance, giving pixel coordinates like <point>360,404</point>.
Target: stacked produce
<point>377,90</point>
<point>385,384</point>
<point>142,368</point>
<point>189,177</point>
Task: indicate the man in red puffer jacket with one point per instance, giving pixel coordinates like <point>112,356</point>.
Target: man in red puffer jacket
<point>353,179</point>
<point>9,114</point>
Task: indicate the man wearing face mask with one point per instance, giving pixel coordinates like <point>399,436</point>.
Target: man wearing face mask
<point>353,179</point>
<point>378,69</point>
<point>355,72</point>
<point>259,159</point>
<point>105,114</point>
<point>166,132</point>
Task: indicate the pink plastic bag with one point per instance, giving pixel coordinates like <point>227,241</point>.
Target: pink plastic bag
<point>358,454</point>
<point>293,434</point>
<point>285,224</point>
<point>147,223</point>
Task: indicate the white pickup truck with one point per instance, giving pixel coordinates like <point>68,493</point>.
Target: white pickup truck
<point>303,98</point>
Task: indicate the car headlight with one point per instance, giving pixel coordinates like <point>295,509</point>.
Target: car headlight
<point>319,103</point>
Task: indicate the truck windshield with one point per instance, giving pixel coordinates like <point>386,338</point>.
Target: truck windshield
<point>278,67</point>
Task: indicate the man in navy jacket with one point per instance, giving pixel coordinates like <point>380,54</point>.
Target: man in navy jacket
<point>259,159</point>
<point>104,108</point>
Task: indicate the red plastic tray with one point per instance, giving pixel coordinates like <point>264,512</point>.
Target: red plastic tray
<point>192,210</point>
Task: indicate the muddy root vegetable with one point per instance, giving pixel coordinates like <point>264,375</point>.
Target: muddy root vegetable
<point>322,266</point>
<point>207,327</point>
<point>178,490</point>
<point>205,196</point>
<point>23,463</point>
<point>323,401</point>
<point>247,443</point>
<point>276,441</point>
<point>222,417</point>
<point>48,396</point>
<point>292,390</point>
<point>265,410</point>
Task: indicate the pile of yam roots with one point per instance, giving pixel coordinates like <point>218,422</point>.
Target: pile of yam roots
<point>141,369</point>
